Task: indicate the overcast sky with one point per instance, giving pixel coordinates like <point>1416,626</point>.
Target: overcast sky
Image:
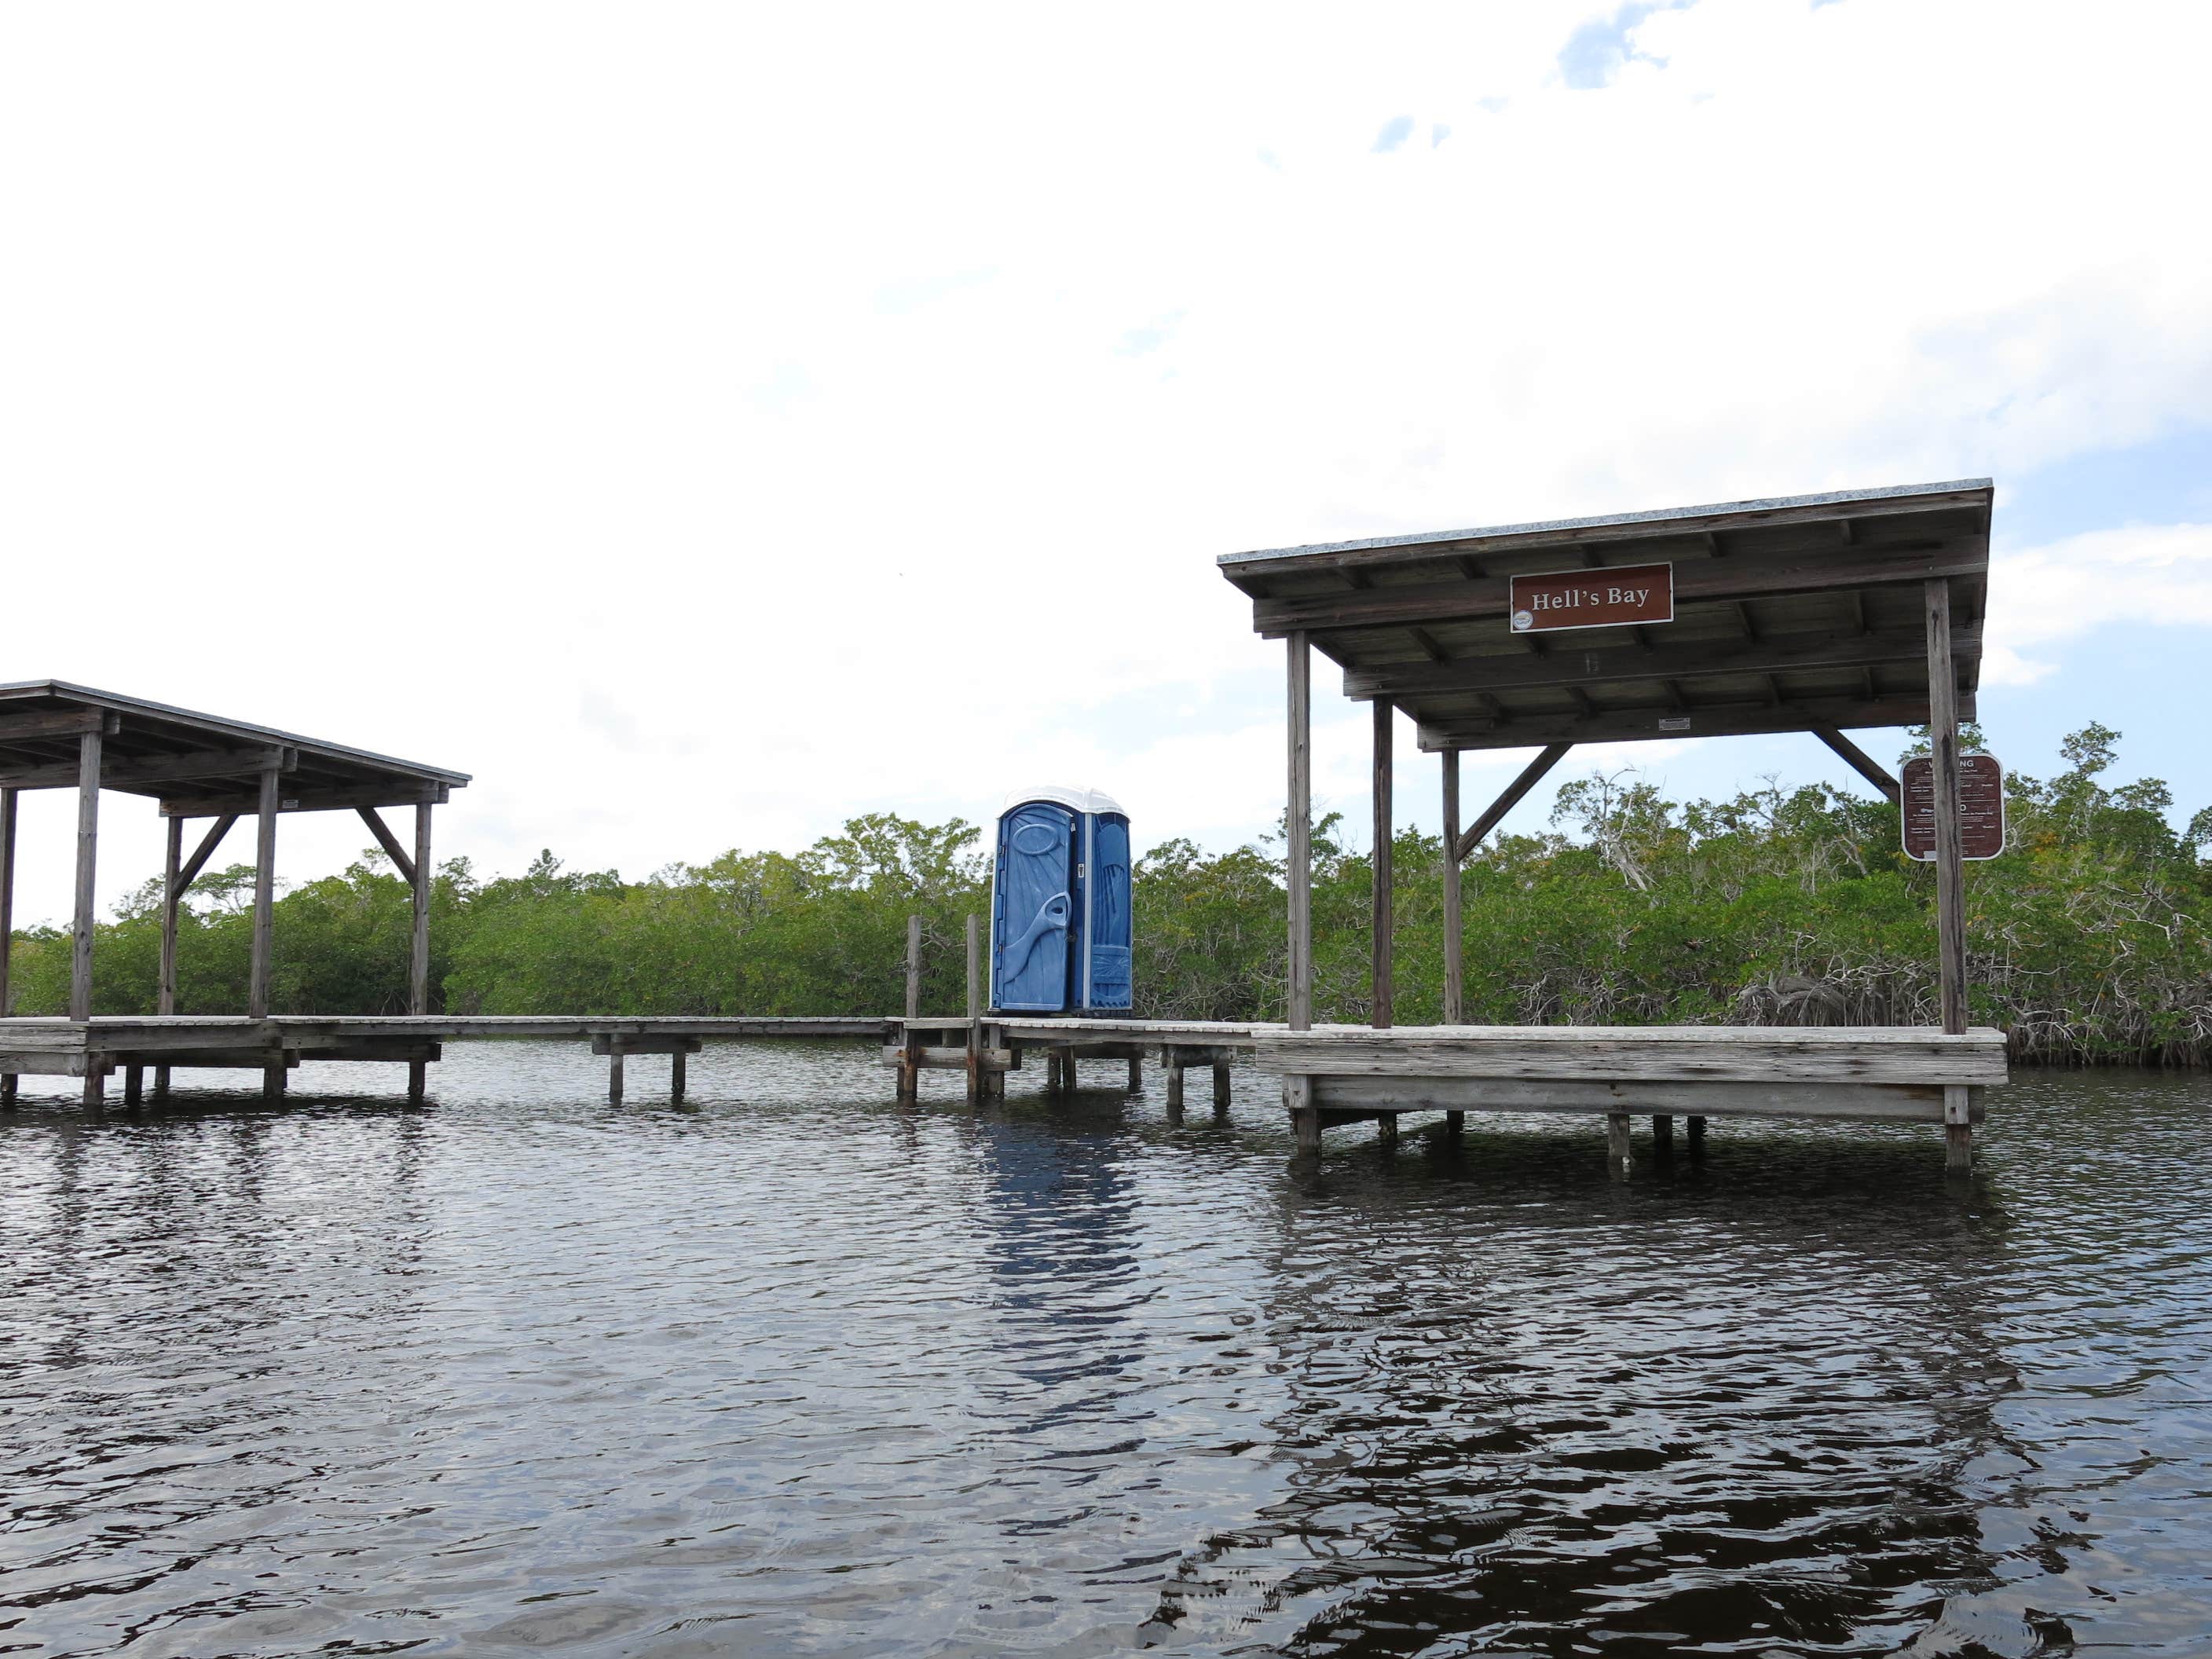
<point>703,423</point>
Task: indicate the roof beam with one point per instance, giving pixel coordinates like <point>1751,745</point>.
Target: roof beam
<point>127,771</point>
<point>1731,579</point>
<point>1711,721</point>
<point>38,728</point>
<point>1776,654</point>
<point>398,792</point>
<point>1861,763</point>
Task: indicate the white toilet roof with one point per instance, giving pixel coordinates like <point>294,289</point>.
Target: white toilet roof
<point>1081,800</point>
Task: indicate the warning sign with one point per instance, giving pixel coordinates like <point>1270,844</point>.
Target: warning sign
<point>1981,806</point>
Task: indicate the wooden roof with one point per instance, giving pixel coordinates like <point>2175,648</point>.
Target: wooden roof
<point>197,765</point>
<point>1789,615</point>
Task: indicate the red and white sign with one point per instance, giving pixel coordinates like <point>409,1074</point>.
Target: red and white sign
<point>1619,598</point>
<point>1981,807</point>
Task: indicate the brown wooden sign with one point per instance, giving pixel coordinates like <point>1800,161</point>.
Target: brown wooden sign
<point>1592,598</point>
<point>1981,806</point>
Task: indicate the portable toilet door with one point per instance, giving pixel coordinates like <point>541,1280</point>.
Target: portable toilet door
<point>1033,907</point>
<point>1108,932</point>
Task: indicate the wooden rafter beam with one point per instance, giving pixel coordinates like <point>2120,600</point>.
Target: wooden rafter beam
<point>1501,671</point>
<point>1531,774</point>
<point>77,723</point>
<point>1746,717</point>
<point>311,798</point>
<point>389,842</point>
<point>1417,604</point>
<point>188,872</point>
<point>1860,762</point>
<point>124,772</point>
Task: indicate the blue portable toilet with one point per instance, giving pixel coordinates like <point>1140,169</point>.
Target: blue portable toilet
<point>1061,919</point>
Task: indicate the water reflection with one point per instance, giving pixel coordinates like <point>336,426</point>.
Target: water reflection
<point>800,1372</point>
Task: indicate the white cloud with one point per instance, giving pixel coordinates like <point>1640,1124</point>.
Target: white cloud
<point>2152,576</point>
<point>706,422</point>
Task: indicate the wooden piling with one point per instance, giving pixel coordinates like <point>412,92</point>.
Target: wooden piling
<point>1173,1066</point>
<point>96,1086</point>
<point>264,894</point>
<point>1386,1129</point>
<point>134,1080</point>
<point>1619,1154</point>
<point>1950,865</point>
<point>160,1083</point>
<point>7,920</point>
<point>418,1080</point>
<point>1697,1127</point>
<point>676,1077</point>
<point>1136,1075</point>
<point>615,1075</point>
<point>173,864</point>
<point>1221,1088</point>
<point>272,1081</point>
<point>976,1087</point>
<point>913,967</point>
<point>1455,1127</point>
<point>88,859</point>
<point>1662,1136</point>
<point>1454,944</point>
<point>1380,906</point>
<point>1298,855</point>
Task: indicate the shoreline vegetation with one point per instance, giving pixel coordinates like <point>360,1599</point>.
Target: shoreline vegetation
<point>2089,941</point>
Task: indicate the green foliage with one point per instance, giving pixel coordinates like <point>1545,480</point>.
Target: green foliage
<point>2088,938</point>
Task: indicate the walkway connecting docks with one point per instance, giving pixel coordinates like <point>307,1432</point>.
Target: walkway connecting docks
<point>1816,614</point>
<point>1819,613</point>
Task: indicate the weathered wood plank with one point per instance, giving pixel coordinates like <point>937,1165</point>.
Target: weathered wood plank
<point>1864,1101</point>
<point>306,798</point>
<point>1747,719</point>
<point>1642,1054</point>
<point>1488,597</point>
<point>121,772</point>
<point>40,726</point>
<point>1771,653</point>
<point>264,896</point>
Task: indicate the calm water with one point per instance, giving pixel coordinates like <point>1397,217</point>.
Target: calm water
<point>798,1372</point>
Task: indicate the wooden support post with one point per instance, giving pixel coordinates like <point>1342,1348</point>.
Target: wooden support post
<point>1697,1125</point>
<point>1455,1127</point>
<point>614,1074</point>
<point>1455,943</point>
<point>1386,1129</point>
<point>1620,1158</point>
<point>418,961</point>
<point>1957,1129</point>
<point>7,893</point>
<point>160,1083</point>
<point>1950,866</point>
<point>265,894</point>
<point>87,859</point>
<point>975,1011</point>
<point>1298,855</point>
<point>272,1081</point>
<point>1662,1136</point>
<point>418,1081</point>
<point>1380,908</point>
<point>1221,1088</point>
<point>1136,1075</point>
<point>7,920</point>
<point>913,967</point>
<point>134,1083</point>
<point>173,893</point>
<point>676,1077</point>
<point>1173,1066</point>
<point>1950,870</point>
<point>1305,1116</point>
<point>95,1085</point>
